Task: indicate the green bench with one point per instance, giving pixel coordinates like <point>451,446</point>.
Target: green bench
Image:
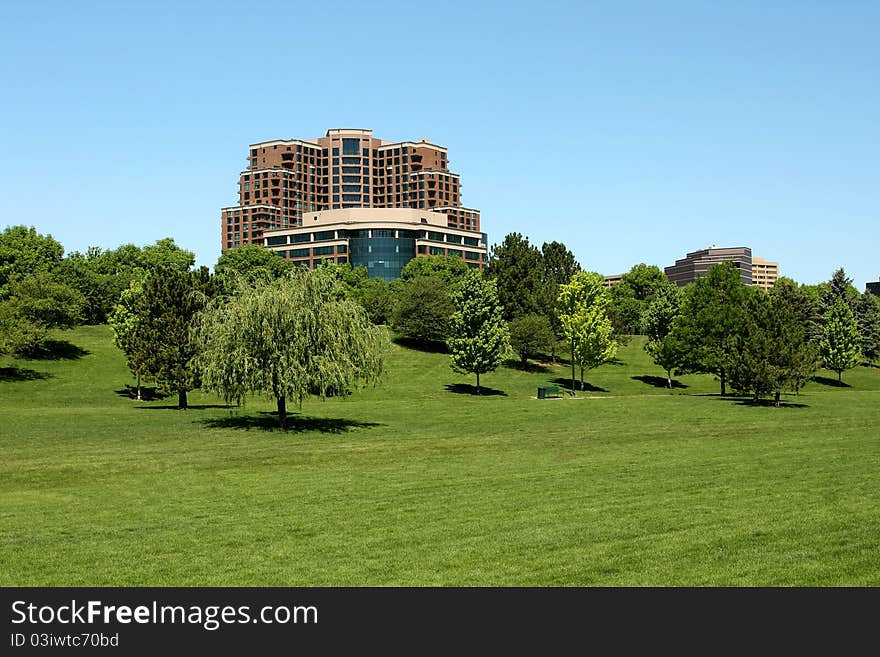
<point>548,391</point>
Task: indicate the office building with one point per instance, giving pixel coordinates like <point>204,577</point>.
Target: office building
<point>696,264</point>
<point>764,274</point>
<point>873,288</point>
<point>349,182</point>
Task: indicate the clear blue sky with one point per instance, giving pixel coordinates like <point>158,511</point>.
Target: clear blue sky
<point>631,131</point>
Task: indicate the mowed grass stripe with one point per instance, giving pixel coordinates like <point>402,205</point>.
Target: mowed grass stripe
<point>434,487</point>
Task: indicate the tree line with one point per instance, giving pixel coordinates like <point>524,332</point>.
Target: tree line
<point>187,328</point>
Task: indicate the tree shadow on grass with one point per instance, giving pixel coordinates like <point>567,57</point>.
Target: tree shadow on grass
<point>22,374</point>
<point>468,389</point>
<point>564,383</point>
<point>658,381</point>
<point>826,381</point>
<point>57,350</point>
<point>868,364</point>
<point>191,407</point>
<point>268,421</point>
<point>760,403</point>
<point>419,345</point>
<point>148,393</point>
<point>533,368</point>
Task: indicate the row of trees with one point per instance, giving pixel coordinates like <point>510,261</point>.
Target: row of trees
<point>529,300</point>
<point>42,289</point>
<point>761,343</point>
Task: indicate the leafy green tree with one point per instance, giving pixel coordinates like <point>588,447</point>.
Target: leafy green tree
<point>517,269</point>
<point>289,338</point>
<point>711,317</point>
<point>772,353</point>
<point>166,254</point>
<point>422,309</point>
<point>558,266</point>
<point>841,342</point>
<point>478,335</point>
<point>629,299</point>
<point>125,322</point>
<point>868,319</point>
<point>582,307</point>
<point>24,251</point>
<point>376,298</point>
<point>530,334</point>
<point>645,281</point>
<point>594,341</point>
<point>657,321</point>
<point>36,304</point>
<point>166,313</point>
<point>449,269</point>
<point>99,281</point>
<point>250,262</point>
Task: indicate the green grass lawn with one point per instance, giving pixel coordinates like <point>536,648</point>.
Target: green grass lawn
<point>416,482</point>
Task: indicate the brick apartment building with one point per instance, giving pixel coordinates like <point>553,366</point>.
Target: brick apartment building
<point>351,184</point>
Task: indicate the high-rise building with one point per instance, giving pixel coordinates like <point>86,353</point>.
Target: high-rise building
<point>613,279</point>
<point>764,274</point>
<point>353,186</point>
<point>696,264</point>
<point>873,287</point>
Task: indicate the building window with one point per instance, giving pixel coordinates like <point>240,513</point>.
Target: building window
<point>350,146</point>
<point>351,188</point>
<point>351,197</point>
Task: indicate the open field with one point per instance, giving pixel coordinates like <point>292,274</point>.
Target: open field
<point>417,482</point>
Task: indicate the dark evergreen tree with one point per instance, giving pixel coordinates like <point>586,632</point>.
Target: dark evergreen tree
<point>516,267</point>
<point>166,313</point>
<point>868,318</point>
<point>558,267</point>
<point>772,353</point>
<point>711,317</point>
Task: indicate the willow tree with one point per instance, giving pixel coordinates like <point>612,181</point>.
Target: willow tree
<point>289,338</point>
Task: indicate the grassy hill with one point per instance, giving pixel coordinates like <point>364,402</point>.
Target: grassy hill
<point>417,482</point>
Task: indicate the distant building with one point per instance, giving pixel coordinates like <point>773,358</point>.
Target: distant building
<point>697,263</point>
<point>764,274</point>
<point>351,197</point>
<point>614,279</point>
<point>873,288</point>
<point>381,239</point>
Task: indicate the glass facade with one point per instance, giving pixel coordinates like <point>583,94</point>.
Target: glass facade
<point>384,257</point>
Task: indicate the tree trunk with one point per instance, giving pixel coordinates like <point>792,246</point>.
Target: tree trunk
<point>669,379</point>
<point>181,399</point>
<point>478,384</point>
<point>839,375</point>
<point>776,399</point>
<point>723,384</point>
<point>572,368</point>
<point>282,412</point>
<point>139,387</point>
<point>582,378</point>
